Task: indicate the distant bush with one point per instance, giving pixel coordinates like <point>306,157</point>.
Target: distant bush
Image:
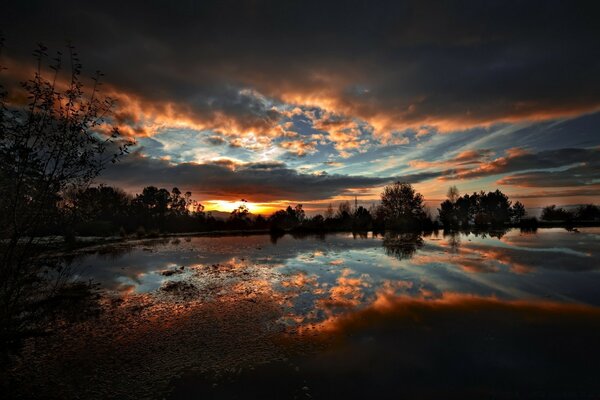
<point>553,213</point>
<point>587,212</point>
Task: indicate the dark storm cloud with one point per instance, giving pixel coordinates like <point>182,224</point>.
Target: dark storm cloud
<point>314,82</point>
<point>262,181</point>
<point>584,163</point>
<point>583,175</point>
<point>393,63</point>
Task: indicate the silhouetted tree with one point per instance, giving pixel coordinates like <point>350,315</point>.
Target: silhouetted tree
<point>449,211</point>
<point>287,219</point>
<point>587,212</point>
<point>260,222</point>
<point>240,217</point>
<point>448,214</point>
<point>329,212</point>
<point>453,194</point>
<point>492,208</point>
<point>279,221</point>
<point>53,144</point>
<point>553,213</point>
<point>291,215</point>
<point>465,208</point>
<point>100,203</point>
<point>317,221</point>
<point>300,214</point>
<point>344,210</point>
<point>151,206</point>
<point>96,211</point>
<point>361,220</point>
<point>481,208</point>
<point>518,211</point>
<point>402,206</point>
<point>180,204</point>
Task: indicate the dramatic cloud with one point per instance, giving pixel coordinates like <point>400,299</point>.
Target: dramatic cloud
<point>397,65</point>
<point>411,89</point>
<point>227,179</point>
<point>583,175</point>
<point>521,160</point>
<point>462,159</point>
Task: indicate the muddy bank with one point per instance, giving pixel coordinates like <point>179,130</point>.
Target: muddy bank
<point>223,317</point>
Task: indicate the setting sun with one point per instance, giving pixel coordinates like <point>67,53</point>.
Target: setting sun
<point>228,206</point>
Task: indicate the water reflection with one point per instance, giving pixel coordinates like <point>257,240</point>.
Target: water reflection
<point>325,276</point>
<point>431,309</point>
<point>509,264</point>
<point>457,346</point>
<point>402,245</point>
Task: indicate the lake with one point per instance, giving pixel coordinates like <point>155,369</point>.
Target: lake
<point>459,315</point>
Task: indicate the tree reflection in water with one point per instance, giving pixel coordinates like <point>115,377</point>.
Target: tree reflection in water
<point>49,301</point>
<point>402,245</point>
<point>453,241</point>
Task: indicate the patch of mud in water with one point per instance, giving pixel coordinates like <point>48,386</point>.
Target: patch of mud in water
<point>223,317</point>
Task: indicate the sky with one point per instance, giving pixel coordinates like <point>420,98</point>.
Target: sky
<point>281,102</point>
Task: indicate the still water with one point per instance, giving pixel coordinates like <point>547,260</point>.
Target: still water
<point>461,315</point>
<point>352,270</point>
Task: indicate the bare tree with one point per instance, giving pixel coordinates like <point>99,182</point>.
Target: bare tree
<point>329,211</point>
<point>53,143</point>
<point>344,210</point>
<point>453,194</point>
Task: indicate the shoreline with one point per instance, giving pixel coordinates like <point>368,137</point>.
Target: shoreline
<point>82,242</point>
<point>58,244</point>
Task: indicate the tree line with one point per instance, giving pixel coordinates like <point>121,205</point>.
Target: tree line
<point>585,212</point>
<point>105,210</point>
<point>495,209</point>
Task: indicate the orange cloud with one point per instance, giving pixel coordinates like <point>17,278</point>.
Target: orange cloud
<point>299,147</point>
<point>463,158</point>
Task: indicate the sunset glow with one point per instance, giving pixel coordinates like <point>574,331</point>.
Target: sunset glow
<point>228,206</point>
<point>356,111</point>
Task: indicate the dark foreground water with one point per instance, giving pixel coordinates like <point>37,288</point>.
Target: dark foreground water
<point>500,315</point>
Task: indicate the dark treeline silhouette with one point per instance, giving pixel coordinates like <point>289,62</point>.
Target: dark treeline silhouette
<point>107,211</point>
<point>480,209</point>
<point>494,209</point>
<point>586,212</point>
